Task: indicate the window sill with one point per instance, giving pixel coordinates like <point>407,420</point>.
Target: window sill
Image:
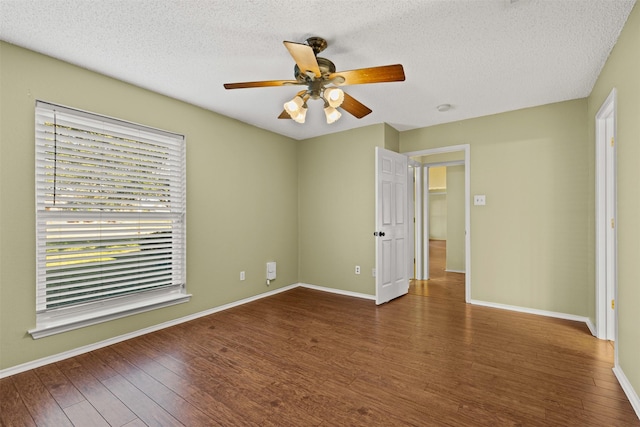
<point>56,325</point>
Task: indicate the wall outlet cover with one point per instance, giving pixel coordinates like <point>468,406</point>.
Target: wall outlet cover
<point>479,200</point>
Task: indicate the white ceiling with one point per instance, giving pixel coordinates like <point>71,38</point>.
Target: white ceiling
<point>481,56</point>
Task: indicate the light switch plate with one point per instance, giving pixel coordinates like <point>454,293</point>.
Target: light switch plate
<point>479,200</point>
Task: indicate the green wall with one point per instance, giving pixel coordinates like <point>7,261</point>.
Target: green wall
<point>529,243</point>
<point>242,199</point>
<point>337,208</point>
<point>438,214</point>
<point>622,72</point>
<point>455,218</point>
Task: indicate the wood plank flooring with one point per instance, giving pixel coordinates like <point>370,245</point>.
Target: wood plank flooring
<point>309,358</point>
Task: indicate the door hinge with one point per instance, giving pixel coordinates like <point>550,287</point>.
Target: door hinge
<point>613,304</point>
<point>613,223</point>
<point>612,141</point>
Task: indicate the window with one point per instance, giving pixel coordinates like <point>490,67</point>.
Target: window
<point>110,214</point>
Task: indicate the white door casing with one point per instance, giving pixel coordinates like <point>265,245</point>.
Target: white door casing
<point>413,224</point>
<point>606,223</point>
<point>611,232</point>
<point>426,224</point>
<point>419,221</point>
<point>392,277</point>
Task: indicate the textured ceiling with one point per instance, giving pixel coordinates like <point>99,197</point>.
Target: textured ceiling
<point>481,56</point>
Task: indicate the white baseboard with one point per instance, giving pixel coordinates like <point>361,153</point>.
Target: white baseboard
<point>628,389</point>
<point>592,327</point>
<point>536,311</point>
<point>91,347</point>
<point>338,291</point>
<point>455,271</point>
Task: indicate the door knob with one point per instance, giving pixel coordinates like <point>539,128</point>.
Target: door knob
<point>378,233</point>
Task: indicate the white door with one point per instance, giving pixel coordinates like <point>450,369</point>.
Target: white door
<point>392,279</point>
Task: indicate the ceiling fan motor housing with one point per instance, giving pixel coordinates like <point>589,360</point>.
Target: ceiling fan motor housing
<point>326,68</point>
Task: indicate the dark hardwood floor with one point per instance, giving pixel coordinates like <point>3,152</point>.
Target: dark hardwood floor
<point>305,358</point>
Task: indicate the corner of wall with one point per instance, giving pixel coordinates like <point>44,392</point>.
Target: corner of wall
<point>391,138</point>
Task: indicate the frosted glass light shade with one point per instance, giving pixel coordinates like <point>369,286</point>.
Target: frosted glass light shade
<point>334,96</point>
<point>332,114</point>
<point>296,109</point>
<point>301,115</point>
<point>293,107</point>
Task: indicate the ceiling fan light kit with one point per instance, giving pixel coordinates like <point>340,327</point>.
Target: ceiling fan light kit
<point>334,96</point>
<point>320,77</point>
<point>331,113</point>
<point>296,108</point>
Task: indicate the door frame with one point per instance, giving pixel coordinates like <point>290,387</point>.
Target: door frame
<point>466,148</point>
<point>415,218</point>
<point>606,172</point>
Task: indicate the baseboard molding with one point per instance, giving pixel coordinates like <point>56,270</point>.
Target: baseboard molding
<point>338,291</point>
<point>91,347</point>
<point>455,271</point>
<point>555,314</point>
<point>592,327</point>
<point>628,389</point>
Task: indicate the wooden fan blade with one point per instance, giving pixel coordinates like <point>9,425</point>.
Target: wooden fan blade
<point>304,57</point>
<point>354,107</point>
<point>266,83</point>
<point>385,73</point>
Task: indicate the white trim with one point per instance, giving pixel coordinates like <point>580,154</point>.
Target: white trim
<point>591,326</point>
<point>535,311</point>
<point>411,220</point>
<point>628,389</point>
<point>467,203</point>
<point>338,291</point>
<point>93,317</point>
<point>418,187</point>
<point>426,223</point>
<point>607,109</point>
<point>438,150</point>
<point>439,164</point>
<point>455,271</point>
<point>91,347</point>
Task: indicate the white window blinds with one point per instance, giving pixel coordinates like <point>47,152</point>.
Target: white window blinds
<point>110,210</point>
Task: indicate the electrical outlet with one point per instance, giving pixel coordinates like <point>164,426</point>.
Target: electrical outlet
<point>357,269</point>
<point>242,276</point>
<point>479,200</point>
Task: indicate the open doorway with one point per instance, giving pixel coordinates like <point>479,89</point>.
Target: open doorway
<point>443,227</point>
<point>445,215</point>
<point>442,218</point>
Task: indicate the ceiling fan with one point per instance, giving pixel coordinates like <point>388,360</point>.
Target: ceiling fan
<point>322,82</point>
